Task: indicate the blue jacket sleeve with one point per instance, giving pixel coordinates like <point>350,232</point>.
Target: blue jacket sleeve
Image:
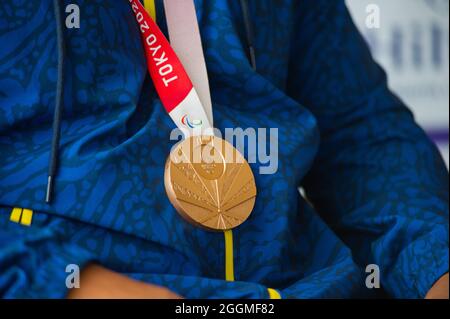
<point>33,260</point>
<point>378,181</point>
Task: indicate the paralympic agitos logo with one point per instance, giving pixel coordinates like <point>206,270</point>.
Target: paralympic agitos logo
<point>192,124</point>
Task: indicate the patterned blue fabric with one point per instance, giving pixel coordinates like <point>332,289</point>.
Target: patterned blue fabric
<point>377,187</point>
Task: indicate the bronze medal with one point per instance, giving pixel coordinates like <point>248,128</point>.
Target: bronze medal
<point>210,183</point>
<point>206,179</point>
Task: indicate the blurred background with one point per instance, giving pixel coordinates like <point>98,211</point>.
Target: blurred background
<point>412,44</point>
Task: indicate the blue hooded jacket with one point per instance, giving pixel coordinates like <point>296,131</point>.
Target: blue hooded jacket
<point>377,188</point>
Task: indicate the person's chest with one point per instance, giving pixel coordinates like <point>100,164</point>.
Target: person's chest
<point>115,133</point>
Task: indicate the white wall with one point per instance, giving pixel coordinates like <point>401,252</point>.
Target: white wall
<point>412,44</point>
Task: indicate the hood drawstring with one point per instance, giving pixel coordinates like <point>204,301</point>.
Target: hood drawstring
<point>53,161</point>
<point>249,31</point>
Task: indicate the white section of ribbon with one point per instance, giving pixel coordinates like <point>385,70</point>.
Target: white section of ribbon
<point>190,117</point>
<point>184,34</point>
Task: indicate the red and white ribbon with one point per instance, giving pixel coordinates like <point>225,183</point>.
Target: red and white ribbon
<point>174,87</point>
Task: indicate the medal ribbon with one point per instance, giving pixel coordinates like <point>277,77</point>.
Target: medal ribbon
<point>172,83</point>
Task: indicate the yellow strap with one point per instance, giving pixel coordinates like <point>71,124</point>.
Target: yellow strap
<point>229,262</point>
<point>27,217</point>
<point>273,294</point>
<point>151,8</point>
<point>16,213</point>
<point>22,216</point>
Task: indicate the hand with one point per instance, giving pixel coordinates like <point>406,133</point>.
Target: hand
<point>439,289</point>
<point>97,282</point>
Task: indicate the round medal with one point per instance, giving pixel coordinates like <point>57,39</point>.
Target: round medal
<point>210,183</point>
